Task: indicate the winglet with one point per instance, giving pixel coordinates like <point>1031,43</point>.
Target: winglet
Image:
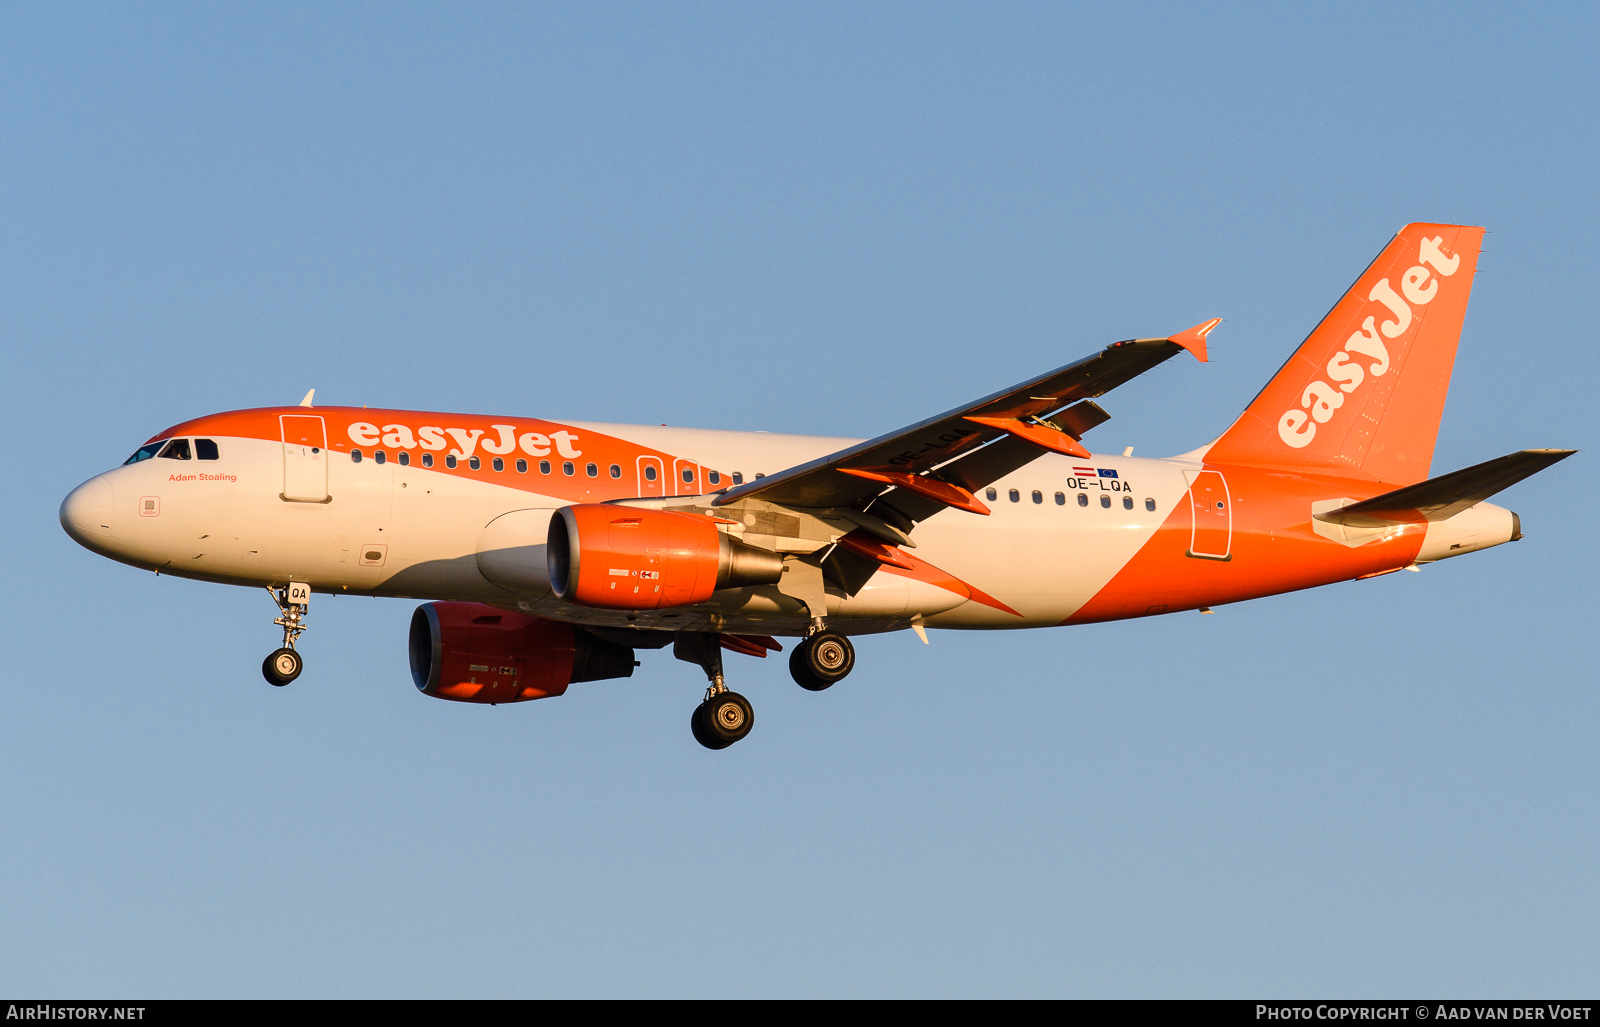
<point>1194,340</point>
<point>307,401</point>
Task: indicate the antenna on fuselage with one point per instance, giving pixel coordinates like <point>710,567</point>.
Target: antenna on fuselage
<point>307,401</point>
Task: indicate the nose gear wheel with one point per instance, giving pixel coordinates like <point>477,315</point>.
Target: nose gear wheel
<point>283,665</point>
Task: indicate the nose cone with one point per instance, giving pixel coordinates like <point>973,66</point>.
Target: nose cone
<point>86,513</point>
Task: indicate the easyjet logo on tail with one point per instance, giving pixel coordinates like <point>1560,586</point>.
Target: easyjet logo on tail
<point>1297,427</point>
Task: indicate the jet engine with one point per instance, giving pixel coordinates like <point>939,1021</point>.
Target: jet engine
<point>475,653</point>
<point>633,559</point>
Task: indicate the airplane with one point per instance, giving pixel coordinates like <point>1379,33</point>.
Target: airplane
<point>550,552</point>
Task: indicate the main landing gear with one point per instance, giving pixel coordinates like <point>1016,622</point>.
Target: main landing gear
<point>822,660</point>
<point>724,717</point>
<point>284,665</point>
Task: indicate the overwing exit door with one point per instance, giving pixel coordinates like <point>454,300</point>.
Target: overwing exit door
<point>651,476</point>
<point>305,458</point>
<point>1211,535</point>
<point>686,478</point>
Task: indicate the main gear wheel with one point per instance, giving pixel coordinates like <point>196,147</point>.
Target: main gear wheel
<point>722,719</point>
<point>822,660</point>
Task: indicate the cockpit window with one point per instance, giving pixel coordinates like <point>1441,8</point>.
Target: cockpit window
<point>205,449</point>
<point>177,449</point>
<point>143,453</point>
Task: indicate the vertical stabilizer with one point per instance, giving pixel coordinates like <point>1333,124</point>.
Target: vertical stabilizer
<point>1364,393</point>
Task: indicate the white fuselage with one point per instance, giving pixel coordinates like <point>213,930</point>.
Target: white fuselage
<point>410,531</point>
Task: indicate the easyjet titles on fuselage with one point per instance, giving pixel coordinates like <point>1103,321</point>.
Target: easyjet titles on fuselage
<point>507,439</point>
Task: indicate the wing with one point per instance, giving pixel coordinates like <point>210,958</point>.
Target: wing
<point>940,461</point>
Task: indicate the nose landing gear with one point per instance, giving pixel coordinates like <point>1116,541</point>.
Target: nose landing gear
<point>284,665</point>
<point>821,660</point>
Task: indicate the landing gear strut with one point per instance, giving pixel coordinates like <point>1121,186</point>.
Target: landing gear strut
<point>284,665</point>
<point>821,660</point>
<point>724,717</point>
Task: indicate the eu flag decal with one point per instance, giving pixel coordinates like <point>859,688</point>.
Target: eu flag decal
<point>1106,472</point>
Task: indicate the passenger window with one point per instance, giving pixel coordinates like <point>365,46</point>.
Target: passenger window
<point>355,456</point>
<point>1083,499</point>
<point>450,460</point>
<point>142,453</point>
<point>616,471</point>
<point>688,476</point>
<point>713,477</point>
<point>205,449</point>
<point>1015,496</point>
<point>544,467</point>
<point>379,457</point>
<point>1150,504</point>
<point>427,459</point>
<point>1061,499</point>
<point>1127,502</point>
<point>404,458</point>
<point>474,463</point>
<point>522,466</point>
<point>1105,501</point>
<point>991,494</point>
<point>591,470</point>
<point>177,449</point>
<point>499,464</point>
<point>738,477</point>
<point>649,473</point>
<point>1038,497</point>
<point>566,467</point>
<point>760,475</point>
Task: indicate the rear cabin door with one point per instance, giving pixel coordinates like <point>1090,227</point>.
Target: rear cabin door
<point>1211,537</point>
<point>305,458</point>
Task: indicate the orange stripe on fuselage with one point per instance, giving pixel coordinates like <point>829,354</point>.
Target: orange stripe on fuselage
<point>922,570</point>
<point>587,445</point>
<point>1273,549</point>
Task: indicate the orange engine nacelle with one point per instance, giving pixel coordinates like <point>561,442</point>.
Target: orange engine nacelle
<point>618,556</point>
<point>475,653</point>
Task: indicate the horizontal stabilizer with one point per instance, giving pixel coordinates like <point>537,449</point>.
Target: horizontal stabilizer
<point>1447,495</point>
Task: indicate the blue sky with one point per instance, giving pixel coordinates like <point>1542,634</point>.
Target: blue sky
<point>832,219</point>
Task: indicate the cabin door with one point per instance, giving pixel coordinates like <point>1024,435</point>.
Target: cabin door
<point>305,458</point>
<point>1211,534</point>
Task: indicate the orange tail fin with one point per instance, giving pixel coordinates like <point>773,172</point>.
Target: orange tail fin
<point>1364,393</point>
